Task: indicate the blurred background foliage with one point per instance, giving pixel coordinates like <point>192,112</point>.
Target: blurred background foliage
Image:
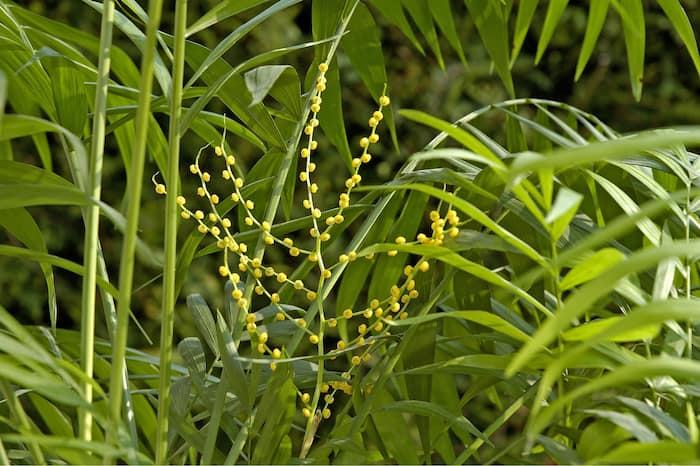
<point>671,97</point>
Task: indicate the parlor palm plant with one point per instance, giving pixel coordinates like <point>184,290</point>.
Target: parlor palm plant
<point>543,277</point>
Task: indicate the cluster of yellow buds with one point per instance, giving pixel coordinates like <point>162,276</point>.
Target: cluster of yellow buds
<point>440,227</point>
<point>370,322</point>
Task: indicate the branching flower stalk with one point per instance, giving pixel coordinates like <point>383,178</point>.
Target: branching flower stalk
<point>237,262</point>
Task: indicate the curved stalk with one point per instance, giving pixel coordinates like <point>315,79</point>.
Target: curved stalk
<point>171,218</point>
<point>92,217</point>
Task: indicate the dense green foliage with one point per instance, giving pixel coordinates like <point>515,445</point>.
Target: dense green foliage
<point>384,286</point>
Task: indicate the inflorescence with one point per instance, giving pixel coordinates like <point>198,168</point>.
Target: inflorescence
<point>371,320</point>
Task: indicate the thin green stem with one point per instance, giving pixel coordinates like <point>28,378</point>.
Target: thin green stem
<point>315,418</point>
<point>134,186</point>
<point>171,219</point>
<point>92,218</point>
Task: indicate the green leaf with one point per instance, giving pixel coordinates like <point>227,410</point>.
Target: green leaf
<point>627,204</point>
<point>668,425</point>
<point>393,12</point>
<point>423,408</point>
<point>597,12</point>
<point>561,453</point>
<point>591,267</point>
<point>221,11</point>
<point>583,298</point>
<point>456,133</point>
<point>599,437</point>
<point>23,253</point>
<point>566,158</point>
<point>554,12</point>
<point>455,260</point>
<point>588,330</point>
<point>666,451</point>
<point>491,22</point>
<point>633,27</point>
<point>526,10</point>
<point>276,411</point>
<point>442,14</point>
<point>364,49</point>
<point>22,226</point>
<point>487,319</point>
<point>69,95</point>
<point>420,13</point>
<point>391,428</point>
<point>56,420</point>
<point>192,353</point>
<point>42,381</point>
<point>280,81</point>
<point>624,374</point>
<point>420,351</point>
<point>563,210</point>
<point>203,319</point>
<point>233,372</point>
<point>477,215</point>
<point>25,195</point>
<point>676,14</point>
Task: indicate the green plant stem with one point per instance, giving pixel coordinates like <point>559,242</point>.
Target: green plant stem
<point>171,219</point>
<point>92,217</point>
<point>314,419</point>
<point>134,185</point>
